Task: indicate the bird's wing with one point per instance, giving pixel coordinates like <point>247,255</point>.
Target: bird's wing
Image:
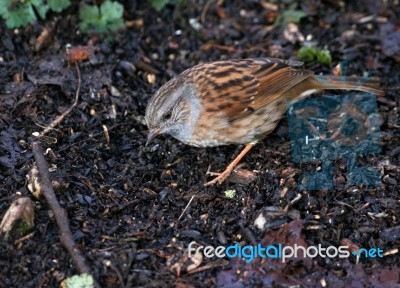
<point>240,87</point>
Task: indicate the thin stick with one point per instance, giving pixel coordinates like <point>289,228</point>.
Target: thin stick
<point>63,115</point>
<point>205,9</point>
<point>216,264</point>
<point>187,206</point>
<point>59,212</point>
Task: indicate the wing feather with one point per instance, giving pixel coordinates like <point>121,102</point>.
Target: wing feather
<point>241,87</point>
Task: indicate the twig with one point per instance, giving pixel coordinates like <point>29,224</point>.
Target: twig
<point>63,115</point>
<point>59,212</point>
<point>22,239</point>
<point>187,206</point>
<point>216,264</point>
<point>205,9</point>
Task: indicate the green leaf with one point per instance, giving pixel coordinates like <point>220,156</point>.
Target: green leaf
<point>293,16</point>
<point>40,7</point>
<point>159,4</point>
<point>112,15</point>
<point>89,15</point>
<point>312,54</point>
<point>290,15</point>
<point>230,193</point>
<point>324,57</point>
<point>307,54</point>
<point>19,13</point>
<point>58,5</point>
<point>4,6</point>
<point>107,17</point>
<point>16,14</point>
<point>79,281</point>
<point>112,10</point>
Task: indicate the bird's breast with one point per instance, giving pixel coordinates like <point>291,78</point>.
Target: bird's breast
<point>213,129</point>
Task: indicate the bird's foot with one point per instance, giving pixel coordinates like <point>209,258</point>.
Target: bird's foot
<point>224,175</point>
<point>221,177</point>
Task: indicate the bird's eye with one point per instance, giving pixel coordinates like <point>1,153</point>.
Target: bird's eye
<point>167,116</point>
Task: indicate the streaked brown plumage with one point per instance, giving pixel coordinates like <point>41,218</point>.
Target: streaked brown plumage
<point>235,101</point>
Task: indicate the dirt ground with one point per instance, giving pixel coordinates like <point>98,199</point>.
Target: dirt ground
<point>125,201</point>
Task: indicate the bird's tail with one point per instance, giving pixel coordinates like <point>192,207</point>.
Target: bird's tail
<point>370,85</point>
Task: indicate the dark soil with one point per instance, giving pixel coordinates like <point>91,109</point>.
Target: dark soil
<point>125,200</point>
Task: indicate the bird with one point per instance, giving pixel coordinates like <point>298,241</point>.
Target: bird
<point>238,101</point>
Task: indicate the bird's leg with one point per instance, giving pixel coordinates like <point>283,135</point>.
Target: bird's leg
<point>224,175</point>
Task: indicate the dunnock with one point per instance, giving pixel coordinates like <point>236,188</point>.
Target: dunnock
<point>235,101</point>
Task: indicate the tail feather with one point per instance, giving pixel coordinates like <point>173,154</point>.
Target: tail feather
<point>370,85</point>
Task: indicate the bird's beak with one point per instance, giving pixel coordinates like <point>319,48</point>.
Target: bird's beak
<point>152,134</point>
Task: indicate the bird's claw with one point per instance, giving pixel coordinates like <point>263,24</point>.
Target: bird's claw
<point>221,177</point>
